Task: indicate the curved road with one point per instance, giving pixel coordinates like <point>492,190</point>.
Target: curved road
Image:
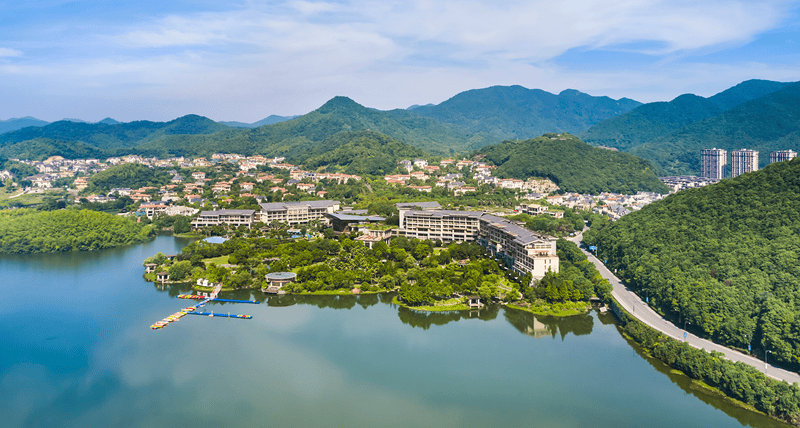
<point>639,309</point>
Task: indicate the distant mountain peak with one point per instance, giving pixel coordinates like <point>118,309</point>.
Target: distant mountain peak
<point>339,103</point>
<point>109,121</point>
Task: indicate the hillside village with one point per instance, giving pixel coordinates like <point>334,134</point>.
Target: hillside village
<point>191,189</point>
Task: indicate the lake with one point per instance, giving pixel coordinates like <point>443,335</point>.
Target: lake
<point>77,350</point>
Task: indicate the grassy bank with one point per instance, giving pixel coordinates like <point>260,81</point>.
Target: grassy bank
<point>438,308</point>
<point>555,309</point>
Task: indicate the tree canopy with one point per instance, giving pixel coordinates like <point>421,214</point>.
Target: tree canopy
<point>723,257</point>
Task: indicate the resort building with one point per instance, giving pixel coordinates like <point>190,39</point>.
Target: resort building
<point>519,248</point>
<point>713,163</point>
<point>230,217</point>
<point>445,225</point>
<point>516,247</point>
<point>782,155</point>
<point>743,161</point>
<point>296,212</point>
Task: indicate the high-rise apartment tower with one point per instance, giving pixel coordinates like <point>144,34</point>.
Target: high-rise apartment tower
<point>782,155</point>
<point>713,163</point>
<point>743,161</point>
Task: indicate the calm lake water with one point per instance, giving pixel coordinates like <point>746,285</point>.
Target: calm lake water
<point>77,350</point>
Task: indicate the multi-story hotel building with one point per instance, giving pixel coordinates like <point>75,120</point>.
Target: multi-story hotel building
<point>445,225</point>
<point>516,247</point>
<point>230,217</point>
<point>743,161</point>
<point>296,212</point>
<point>713,163</point>
<point>782,155</point>
<point>519,248</point>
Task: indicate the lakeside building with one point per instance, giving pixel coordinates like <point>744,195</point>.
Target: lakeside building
<point>742,161</point>
<point>713,163</point>
<point>782,155</point>
<point>230,217</point>
<point>518,248</point>
<point>296,212</point>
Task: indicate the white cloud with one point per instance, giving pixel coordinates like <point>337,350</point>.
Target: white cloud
<point>290,57</point>
<point>6,52</point>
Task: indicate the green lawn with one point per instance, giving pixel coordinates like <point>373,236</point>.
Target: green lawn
<point>7,199</point>
<point>555,309</point>
<point>222,260</point>
<point>450,305</point>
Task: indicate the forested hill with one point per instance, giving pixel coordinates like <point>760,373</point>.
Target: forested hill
<point>28,231</point>
<point>574,165</point>
<point>364,152</point>
<point>19,123</point>
<point>658,119</point>
<point>768,123</point>
<point>509,112</point>
<point>105,136</point>
<point>725,257</point>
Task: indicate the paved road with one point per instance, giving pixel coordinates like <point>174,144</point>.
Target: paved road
<point>639,309</point>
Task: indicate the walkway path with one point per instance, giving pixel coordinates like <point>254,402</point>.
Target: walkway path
<point>631,302</point>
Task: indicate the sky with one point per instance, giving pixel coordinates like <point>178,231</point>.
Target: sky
<point>244,61</point>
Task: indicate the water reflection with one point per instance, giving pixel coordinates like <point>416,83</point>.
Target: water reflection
<point>541,326</point>
<point>727,405</point>
<point>425,320</point>
<point>345,301</point>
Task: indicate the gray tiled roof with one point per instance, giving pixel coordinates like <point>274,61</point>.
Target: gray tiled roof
<point>420,205</point>
<point>444,213</point>
<point>227,212</point>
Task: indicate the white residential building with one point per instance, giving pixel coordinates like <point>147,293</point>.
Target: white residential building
<point>743,161</point>
<point>782,155</point>
<point>713,163</point>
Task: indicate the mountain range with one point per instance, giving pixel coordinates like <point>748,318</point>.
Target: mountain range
<point>515,112</point>
<point>756,114</point>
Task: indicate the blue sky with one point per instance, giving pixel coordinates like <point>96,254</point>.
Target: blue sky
<point>158,60</point>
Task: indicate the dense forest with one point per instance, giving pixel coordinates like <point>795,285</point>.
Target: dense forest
<point>130,175</point>
<point>724,258</point>
<point>364,152</point>
<point>573,165</point>
<point>39,149</point>
<point>30,231</point>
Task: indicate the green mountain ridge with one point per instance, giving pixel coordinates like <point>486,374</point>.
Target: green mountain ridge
<point>299,138</point>
<point>654,120</point>
<point>106,136</point>
<point>574,165</point>
<point>508,112</point>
